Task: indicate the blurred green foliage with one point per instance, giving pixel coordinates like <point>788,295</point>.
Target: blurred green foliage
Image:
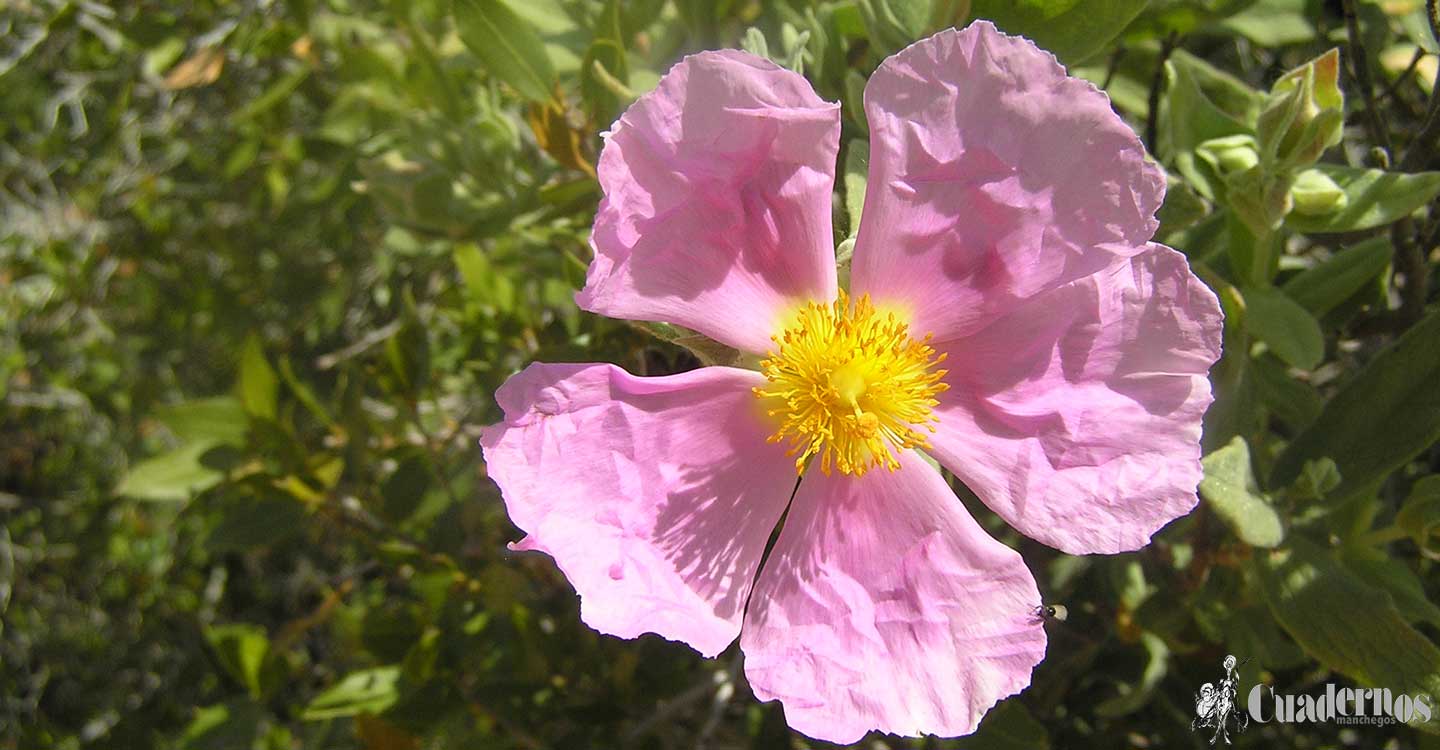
<point>263,265</point>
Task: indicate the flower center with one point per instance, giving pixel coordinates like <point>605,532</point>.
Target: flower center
<point>849,383</point>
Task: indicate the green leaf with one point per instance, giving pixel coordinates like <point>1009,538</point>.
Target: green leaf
<point>565,38</point>
<point>1322,288</point>
<point>1292,400</point>
<point>1346,624</point>
<point>893,24</point>
<point>852,101</point>
<point>754,42</point>
<point>1237,410</point>
<point>1383,417</point>
<point>241,158</point>
<point>259,387</point>
<point>1249,630</point>
<point>278,92</point>
<point>1230,489</point>
<point>1288,329</point>
<point>1181,16</point>
<point>1230,94</point>
<point>482,284</point>
<point>221,419</point>
<point>607,51</point>
<point>1417,28</point>
<point>1399,581</point>
<point>367,690</point>
<point>1420,515</point>
<point>1272,23</point>
<point>1374,198</point>
<point>1131,587</point>
<point>1071,29</point>
<point>161,56</point>
<point>174,476</point>
<point>507,45</point>
<point>857,165</point>
<point>224,726</point>
<point>303,393</point>
<point>1317,478</point>
<point>1192,116</point>
<point>1183,207</point>
<point>243,650</point>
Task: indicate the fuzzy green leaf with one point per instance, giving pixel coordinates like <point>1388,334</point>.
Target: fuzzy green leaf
<point>1230,489</point>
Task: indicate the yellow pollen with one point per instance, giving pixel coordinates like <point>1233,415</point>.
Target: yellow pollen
<point>849,384</point>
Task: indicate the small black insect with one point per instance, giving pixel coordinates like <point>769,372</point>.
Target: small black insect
<point>1056,612</point>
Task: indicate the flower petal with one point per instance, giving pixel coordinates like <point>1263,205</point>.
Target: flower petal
<point>717,201</point>
<point>655,496</point>
<point>1077,416</point>
<point>885,606</point>
<point>993,177</point>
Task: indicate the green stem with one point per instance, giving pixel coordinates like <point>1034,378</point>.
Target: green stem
<point>1378,537</point>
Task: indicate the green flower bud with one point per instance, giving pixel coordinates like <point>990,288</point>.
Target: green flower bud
<point>1315,194</point>
<point>1303,115</point>
<point>1230,154</point>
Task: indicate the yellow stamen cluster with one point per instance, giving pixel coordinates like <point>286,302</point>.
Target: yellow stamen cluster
<point>848,383</point>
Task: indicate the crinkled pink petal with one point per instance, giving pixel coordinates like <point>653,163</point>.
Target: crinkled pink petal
<point>1076,417</point>
<point>994,177</point>
<point>717,202</point>
<point>655,496</point>
<point>885,606</point>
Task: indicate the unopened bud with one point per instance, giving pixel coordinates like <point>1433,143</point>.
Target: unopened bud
<point>1315,194</point>
<point>1230,154</point>
<point>1303,115</point>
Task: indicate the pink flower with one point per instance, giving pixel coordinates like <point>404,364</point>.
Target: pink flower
<point>1007,315</point>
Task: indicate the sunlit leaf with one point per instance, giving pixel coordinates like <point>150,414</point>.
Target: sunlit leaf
<point>1229,487</point>
<point>1272,23</point>
<point>172,476</point>
<point>363,691</point>
<point>507,45</point>
<point>221,419</point>
<point>259,387</point>
<point>243,650</point>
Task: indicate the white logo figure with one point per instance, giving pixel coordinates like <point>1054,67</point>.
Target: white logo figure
<point>1215,706</point>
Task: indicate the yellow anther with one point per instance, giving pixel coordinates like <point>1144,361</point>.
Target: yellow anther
<point>849,384</point>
